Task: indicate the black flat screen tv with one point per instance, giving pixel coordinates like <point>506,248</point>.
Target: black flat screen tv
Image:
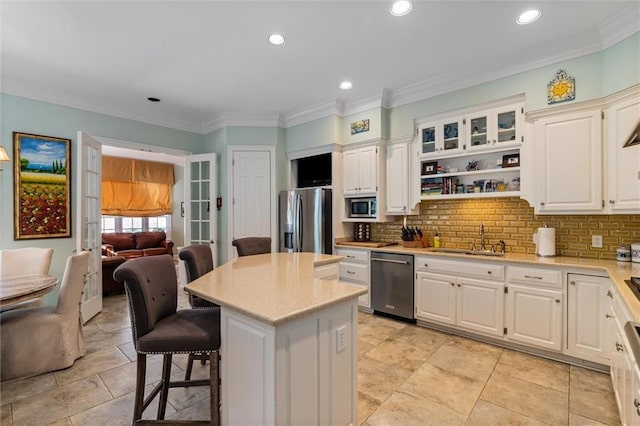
<point>314,171</point>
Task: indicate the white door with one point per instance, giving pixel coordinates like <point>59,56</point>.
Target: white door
<point>253,198</point>
<point>201,210</point>
<point>88,228</point>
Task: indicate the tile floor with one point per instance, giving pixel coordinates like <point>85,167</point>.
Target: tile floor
<point>407,375</point>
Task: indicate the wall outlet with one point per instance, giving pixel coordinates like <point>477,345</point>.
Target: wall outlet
<point>596,241</point>
<point>340,342</point>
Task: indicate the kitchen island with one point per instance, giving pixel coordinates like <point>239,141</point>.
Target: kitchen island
<point>288,339</point>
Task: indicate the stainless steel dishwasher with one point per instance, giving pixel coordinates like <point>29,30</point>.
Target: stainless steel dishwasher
<point>392,284</point>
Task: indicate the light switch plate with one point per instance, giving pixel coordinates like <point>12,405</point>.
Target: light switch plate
<point>596,241</point>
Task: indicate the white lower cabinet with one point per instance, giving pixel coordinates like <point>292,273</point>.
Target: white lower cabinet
<point>624,372</point>
<point>470,303</point>
<point>586,317</point>
<point>534,316</point>
<point>534,307</point>
<point>354,268</point>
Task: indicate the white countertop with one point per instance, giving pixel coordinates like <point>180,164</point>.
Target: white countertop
<point>617,271</point>
<point>274,288</point>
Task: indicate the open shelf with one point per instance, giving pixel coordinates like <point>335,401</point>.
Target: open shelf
<point>472,172</point>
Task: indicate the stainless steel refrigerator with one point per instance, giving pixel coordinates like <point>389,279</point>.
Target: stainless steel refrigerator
<point>305,220</point>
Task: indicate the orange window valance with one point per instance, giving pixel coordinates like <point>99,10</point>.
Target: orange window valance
<point>136,187</point>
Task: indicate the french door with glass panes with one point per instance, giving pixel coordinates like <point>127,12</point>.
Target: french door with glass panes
<point>88,235</point>
<point>200,207</point>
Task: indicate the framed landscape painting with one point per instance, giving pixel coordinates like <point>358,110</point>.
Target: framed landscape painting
<point>42,186</point>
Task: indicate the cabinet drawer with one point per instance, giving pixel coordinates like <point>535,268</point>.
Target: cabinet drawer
<point>353,272</point>
<point>460,268</point>
<point>535,276</point>
<point>355,256</point>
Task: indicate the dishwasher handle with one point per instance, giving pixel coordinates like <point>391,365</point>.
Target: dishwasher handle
<point>401,262</point>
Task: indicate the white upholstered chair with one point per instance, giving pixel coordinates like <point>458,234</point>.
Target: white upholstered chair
<point>37,340</point>
<point>25,261</point>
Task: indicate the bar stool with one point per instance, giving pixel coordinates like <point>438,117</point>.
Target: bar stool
<point>159,328</point>
<point>249,246</point>
<point>198,260</point>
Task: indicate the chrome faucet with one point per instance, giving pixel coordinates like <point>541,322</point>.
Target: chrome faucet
<point>483,245</point>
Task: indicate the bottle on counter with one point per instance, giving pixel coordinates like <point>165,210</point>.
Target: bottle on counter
<point>436,241</point>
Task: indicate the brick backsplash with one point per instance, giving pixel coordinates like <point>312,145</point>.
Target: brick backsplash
<point>457,222</point>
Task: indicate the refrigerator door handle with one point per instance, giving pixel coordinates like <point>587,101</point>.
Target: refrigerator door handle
<point>298,223</point>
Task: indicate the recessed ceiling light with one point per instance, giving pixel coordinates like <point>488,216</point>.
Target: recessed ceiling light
<point>528,17</point>
<point>153,99</point>
<point>346,85</point>
<point>401,8</point>
<point>276,39</point>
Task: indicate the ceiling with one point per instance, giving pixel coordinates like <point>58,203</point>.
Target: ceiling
<point>210,63</point>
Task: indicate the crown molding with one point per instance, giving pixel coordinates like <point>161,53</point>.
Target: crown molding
<point>620,26</point>
<point>69,101</point>
<point>242,120</point>
<point>379,100</point>
<point>314,112</point>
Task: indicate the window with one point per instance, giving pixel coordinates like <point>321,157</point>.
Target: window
<point>111,224</point>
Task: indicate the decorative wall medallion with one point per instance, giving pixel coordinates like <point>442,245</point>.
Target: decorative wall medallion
<point>562,88</point>
<point>360,126</point>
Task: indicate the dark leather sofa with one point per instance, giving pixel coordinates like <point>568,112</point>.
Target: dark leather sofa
<point>136,244</point>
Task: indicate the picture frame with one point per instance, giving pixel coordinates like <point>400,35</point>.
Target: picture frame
<point>42,186</point>
<point>360,126</point>
<point>511,160</point>
<point>429,167</point>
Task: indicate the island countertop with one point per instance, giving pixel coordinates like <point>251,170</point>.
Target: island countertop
<point>273,288</point>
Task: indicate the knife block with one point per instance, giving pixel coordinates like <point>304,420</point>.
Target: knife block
<point>419,243</point>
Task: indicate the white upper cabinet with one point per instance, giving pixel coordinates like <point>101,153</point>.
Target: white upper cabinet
<point>399,178</point>
<point>496,127</point>
<point>471,152</point>
<point>442,137</point>
<point>568,162</point>
<point>581,164</point>
<point>360,171</point>
<point>622,163</point>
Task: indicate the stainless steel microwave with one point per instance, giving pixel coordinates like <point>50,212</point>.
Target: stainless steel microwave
<point>362,207</point>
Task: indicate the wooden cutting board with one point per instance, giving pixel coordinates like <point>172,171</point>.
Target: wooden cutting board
<point>372,244</point>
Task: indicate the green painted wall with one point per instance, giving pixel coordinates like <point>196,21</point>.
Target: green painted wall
<point>375,126</point>
<point>320,132</point>
<point>30,116</point>
<point>219,142</point>
<point>621,65</point>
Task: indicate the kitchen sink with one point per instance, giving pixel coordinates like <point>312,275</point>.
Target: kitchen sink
<point>467,251</point>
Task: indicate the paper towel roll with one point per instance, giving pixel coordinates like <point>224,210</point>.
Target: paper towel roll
<point>546,242</point>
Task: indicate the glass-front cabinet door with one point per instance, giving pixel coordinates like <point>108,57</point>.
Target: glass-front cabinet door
<point>497,127</point>
<point>477,126</point>
<point>428,135</point>
<point>509,125</point>
<point>451,136</point>
<point>442,137</point>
